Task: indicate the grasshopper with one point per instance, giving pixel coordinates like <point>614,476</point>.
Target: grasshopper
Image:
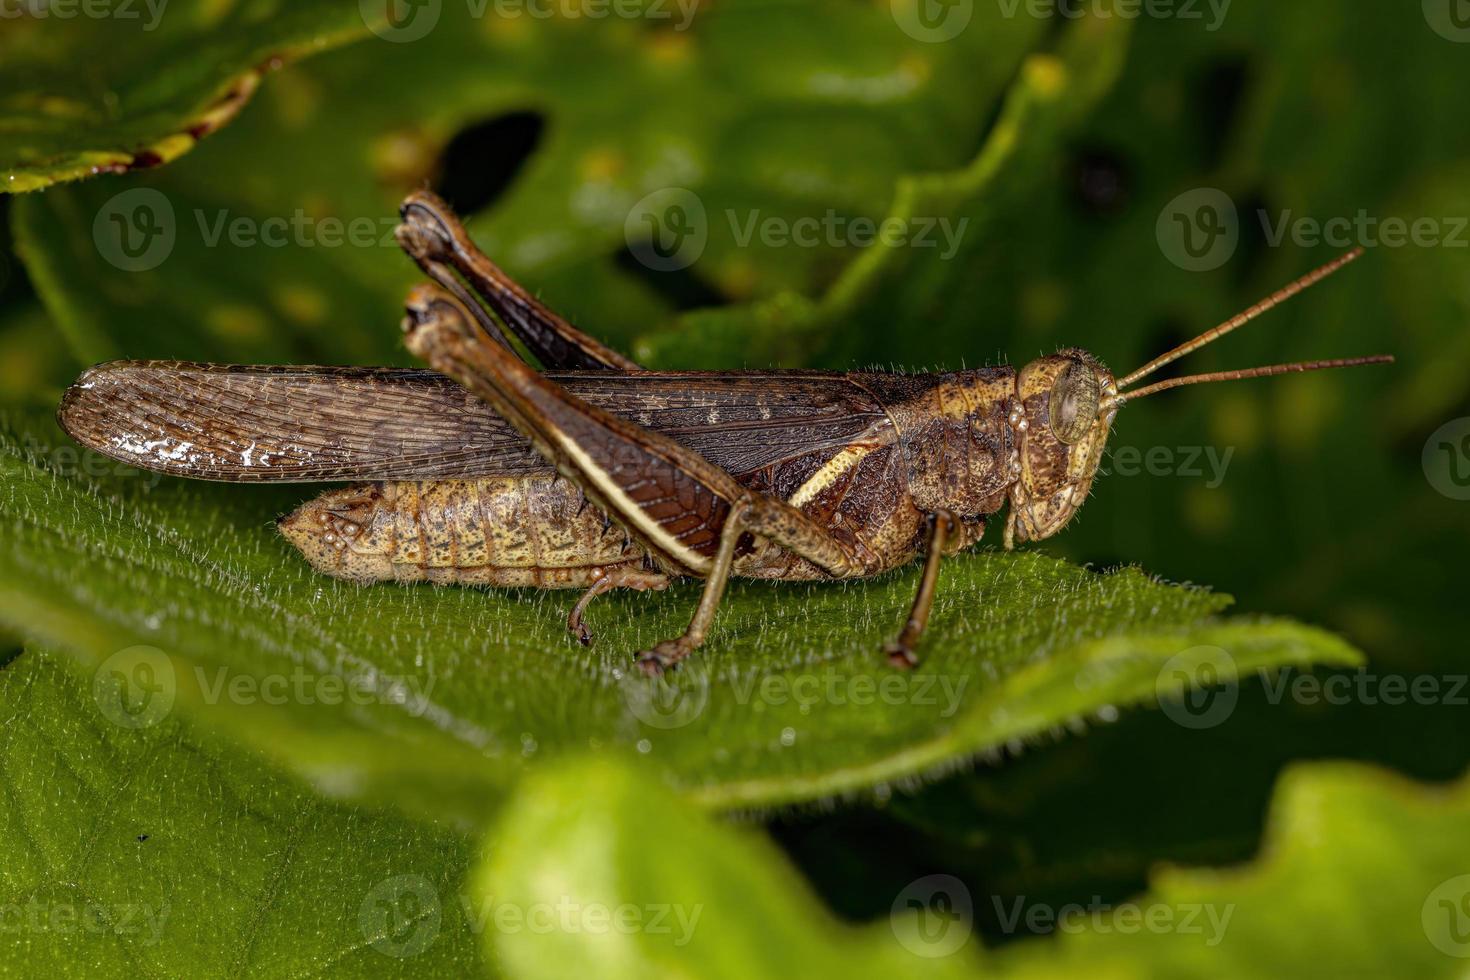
<point>598,474</point>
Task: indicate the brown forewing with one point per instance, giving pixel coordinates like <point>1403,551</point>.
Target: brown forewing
<point>307,424</point>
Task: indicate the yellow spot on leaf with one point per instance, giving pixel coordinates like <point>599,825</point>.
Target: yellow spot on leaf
<point>1043,302</point>
<point>601,165</point>
<point>237,322</point>
<point>302,303</point>
<point>1208,512</point>
<point>403,157</point>
<point>1047,75</point>
<point>738,278</point>
<point>1236,421</point>
<point>1307,405</point>
<point>670,47</point>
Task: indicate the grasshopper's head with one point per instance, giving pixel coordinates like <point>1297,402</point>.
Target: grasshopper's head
<point>1066,404</point>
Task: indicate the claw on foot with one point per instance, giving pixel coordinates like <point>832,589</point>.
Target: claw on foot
<point>900,656</point>
<point>622,578</point>
<point>662,657</point>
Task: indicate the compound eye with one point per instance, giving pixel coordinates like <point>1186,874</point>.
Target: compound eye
<point>1074,401</point>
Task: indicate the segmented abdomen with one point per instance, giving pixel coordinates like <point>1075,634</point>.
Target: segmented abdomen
<point>528,530</point>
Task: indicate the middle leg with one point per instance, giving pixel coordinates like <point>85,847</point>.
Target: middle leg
<point>685,511</point>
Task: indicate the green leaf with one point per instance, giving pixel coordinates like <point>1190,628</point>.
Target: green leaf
<point>1362,873</point>
<point>140,849</point>
<point>458,690</point>
<point>901,279</point>
<point>642,886</point>
<point>630,107</point>
<point>113,85</point>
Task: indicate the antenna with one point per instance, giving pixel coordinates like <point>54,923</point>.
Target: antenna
<point>1260,372</point>
<point>1236,322</point>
